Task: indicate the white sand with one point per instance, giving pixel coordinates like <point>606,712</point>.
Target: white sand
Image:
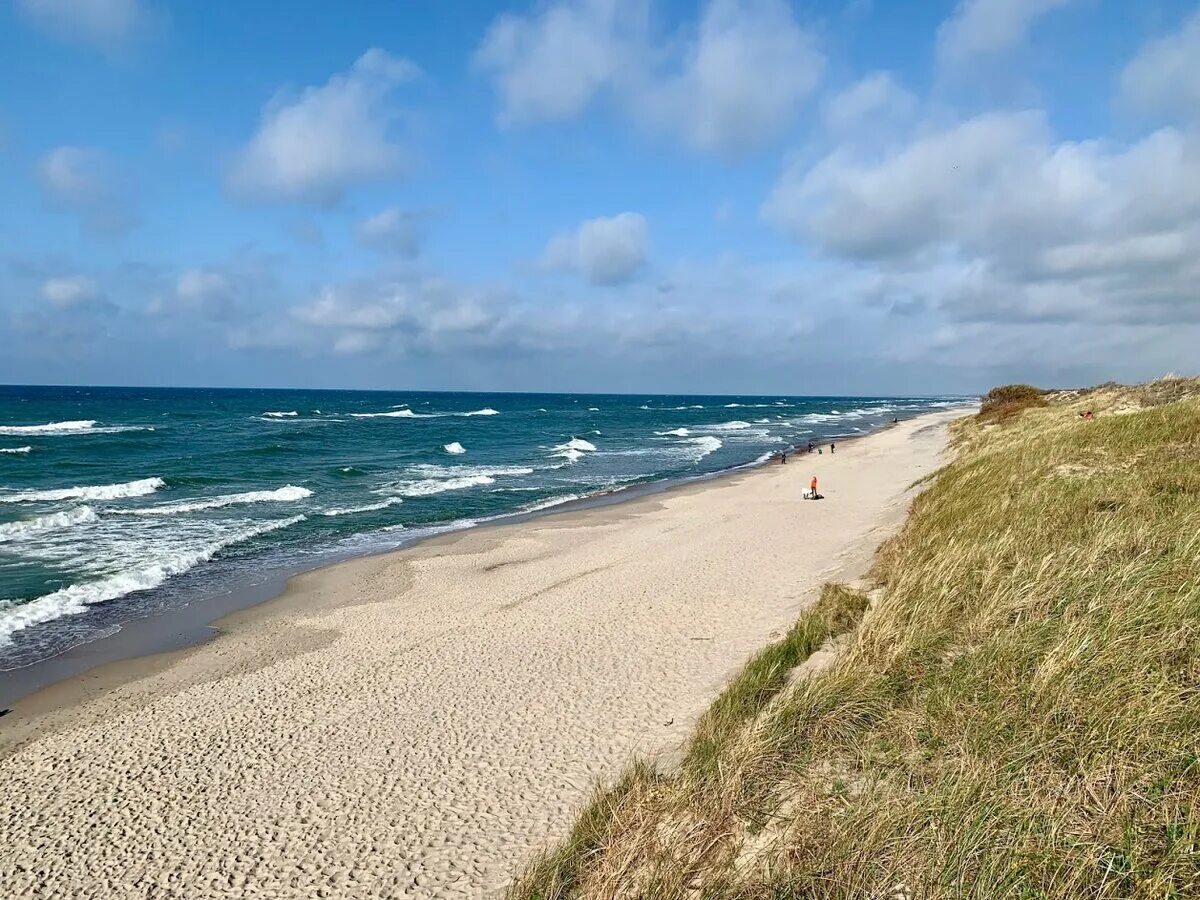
<point>418,724</point>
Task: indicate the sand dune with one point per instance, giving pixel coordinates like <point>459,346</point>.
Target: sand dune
<point>417,724</point>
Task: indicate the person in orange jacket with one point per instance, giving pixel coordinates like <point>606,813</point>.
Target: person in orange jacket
<point>812,487</point>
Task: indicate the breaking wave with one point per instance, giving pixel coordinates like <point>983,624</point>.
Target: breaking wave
<point>16,449</point>
<point>285,494</point>
<point>11,531</point>
<point>138,488</point>
<point>75,599</point>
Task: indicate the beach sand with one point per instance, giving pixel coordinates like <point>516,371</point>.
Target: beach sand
<point>420,723</point>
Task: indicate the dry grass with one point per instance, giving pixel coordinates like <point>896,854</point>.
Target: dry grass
<point>1018,717</point>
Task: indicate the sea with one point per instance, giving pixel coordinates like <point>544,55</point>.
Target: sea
<point>120,503</point>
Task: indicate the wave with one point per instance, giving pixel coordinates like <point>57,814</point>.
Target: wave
<point>285,494</point>
<point>77,598</point>
<point>736,425</point>
<point>676,432</point>
<point>76,426</point>
<point>577,444</point>
<point>16,449</point>
<point>429,470</point>
<point>81,515</point>
<point>138,488</point>
<point>281,415</point>
<point>354,510</point>
<point>409,414</point>
<point>593,409</point>
<point>428,486</point>
<point>705,445</point>
<point>455,447</point>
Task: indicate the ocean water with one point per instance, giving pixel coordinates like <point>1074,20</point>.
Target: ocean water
<point>120,502</point>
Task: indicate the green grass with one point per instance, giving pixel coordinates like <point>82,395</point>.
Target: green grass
<point>1018,716</point>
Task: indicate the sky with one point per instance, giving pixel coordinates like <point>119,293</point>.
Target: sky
<point>731,196</point>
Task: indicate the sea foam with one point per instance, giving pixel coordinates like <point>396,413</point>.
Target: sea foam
<point>455,447</point>
<point>16,449</point>
<point>12,531</point>
<point>76,598</point>
<point>285,494</point>
<point>138,488</point>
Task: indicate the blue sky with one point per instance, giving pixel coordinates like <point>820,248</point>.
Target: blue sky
<point>625,195</point>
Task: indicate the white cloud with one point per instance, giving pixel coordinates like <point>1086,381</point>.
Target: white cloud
<point>1164,77</point>
<point>81,180</point>
<point>392,231</point>
<point>196,284</point>
<point>993,218</point>
<point>548,67</point>
<point>742,80</point>
<point>729,87</point>
<point>875,101</point>
<point>72,292</point>
<point>981,30</point>
<point>314,146</point>
<point>105,24</point>
<point>604,251</point>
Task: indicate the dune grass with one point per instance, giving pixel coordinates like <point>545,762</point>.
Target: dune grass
<point>1017,717</point>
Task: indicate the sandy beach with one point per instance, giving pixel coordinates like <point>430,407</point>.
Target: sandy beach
<point>419,723</point>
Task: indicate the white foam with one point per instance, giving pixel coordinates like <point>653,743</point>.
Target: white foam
<point>285,494</point>
<point>577,444</point>
<point>551,502</point>
<point>138,488</point>
<point>409,414</point>
<point>281,415</point>
<point>428,470</point>
<point>72,427</point>
<point>394,414</point>
<point>455,447</point>
<point>676,432</point>
<point>76,598</point>
<point>428,486</point>
<point>593,409</point>
<point>570,455</point>
<point>370,507</point>
<point>77,426</point>
<point>11,531</point>
<point>705,445</point>
<point>16,449</point>
<point>728,426</point>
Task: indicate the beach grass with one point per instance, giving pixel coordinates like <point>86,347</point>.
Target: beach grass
<point>1015,716</point>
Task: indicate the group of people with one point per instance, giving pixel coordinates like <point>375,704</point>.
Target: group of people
<point>809,449</point>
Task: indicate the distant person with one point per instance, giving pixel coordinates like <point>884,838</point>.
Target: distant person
<point>783,457</point>
<point>810,446</point>
<point>812,488</point>
<point>831,447</point>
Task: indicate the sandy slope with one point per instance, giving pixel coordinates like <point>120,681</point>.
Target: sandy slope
<point>416,724</point>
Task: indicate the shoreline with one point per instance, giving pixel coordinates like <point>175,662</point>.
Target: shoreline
<point>165,633</point>
<point>483,712</point>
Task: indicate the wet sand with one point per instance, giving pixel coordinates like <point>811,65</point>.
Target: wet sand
<point>419,723</point>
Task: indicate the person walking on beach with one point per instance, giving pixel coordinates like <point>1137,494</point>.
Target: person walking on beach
<point>831,446</point>
<point>812,488</point>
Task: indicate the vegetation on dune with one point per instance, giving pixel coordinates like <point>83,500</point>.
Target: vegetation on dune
<point>1004,402</point>
<point>1018,715</point>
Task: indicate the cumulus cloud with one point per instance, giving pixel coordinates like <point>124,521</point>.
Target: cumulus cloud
<point>994,218</point>
<point>74,292</point>
<point>105,24</point>
<point>732,84</point>
<point>604,251</point>
<point>549,66</point>
<point>83,181</point>
<point>1164,77</point>
<point>316,145</point>
<point>876,101</point>
<point>981,30</point>
<point>392,231</point>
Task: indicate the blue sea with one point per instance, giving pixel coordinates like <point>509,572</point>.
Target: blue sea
<point>116,503</point>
